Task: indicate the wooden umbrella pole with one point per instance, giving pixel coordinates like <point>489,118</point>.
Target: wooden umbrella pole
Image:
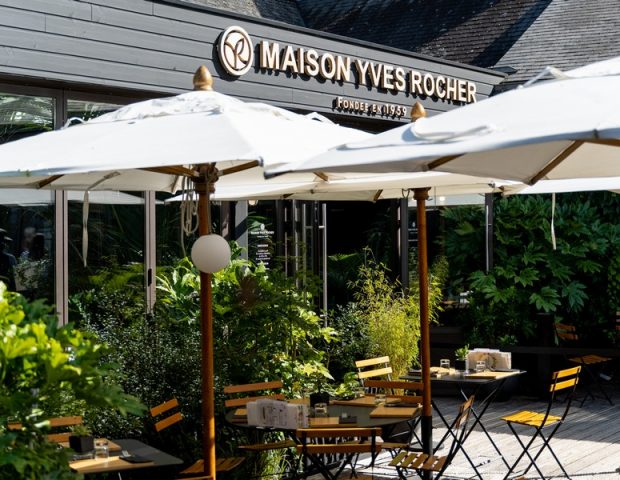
<point>204,187</point>
<point>421,195</point>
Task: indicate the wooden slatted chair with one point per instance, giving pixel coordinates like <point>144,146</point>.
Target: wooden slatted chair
<point>321,448</point>
<point>564,381</point>
<point>166,415</point>
<point>407,393</point>
<point>55,424</point>
<point>567,335</point>
<point>423,463</point>
<point>373,368</point>
<point>240,395</point>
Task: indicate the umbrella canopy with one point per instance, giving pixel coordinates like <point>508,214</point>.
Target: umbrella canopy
<point>28,197</point>
<point>560,129</point>
<point>353,187</point>
<point>152,145</point>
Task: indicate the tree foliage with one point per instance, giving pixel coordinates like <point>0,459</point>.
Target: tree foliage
<point>44,366</point>
<point>530,277</point>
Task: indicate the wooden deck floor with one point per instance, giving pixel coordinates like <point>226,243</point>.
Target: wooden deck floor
<point>588,444</point>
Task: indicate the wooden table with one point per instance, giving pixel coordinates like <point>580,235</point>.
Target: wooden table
<point>114,463</point>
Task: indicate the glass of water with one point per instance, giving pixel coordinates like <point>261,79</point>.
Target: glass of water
<point>444,363</point>
<point>481,366</point>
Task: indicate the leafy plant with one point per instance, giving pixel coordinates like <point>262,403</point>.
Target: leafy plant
<point>461,353</point>
<point>41,366</point>
<point>530,277</point>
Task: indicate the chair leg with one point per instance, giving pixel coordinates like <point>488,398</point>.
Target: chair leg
<point>524,452</point>
<point>547,445</point>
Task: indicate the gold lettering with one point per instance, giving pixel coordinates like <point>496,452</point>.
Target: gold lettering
<point>328,66</point>
<point>269,55</point>
<point>312,64</point>
<point>375,74</point>
<point>388,77</point>
<point>362,68</point>
<point>288,60</point>
<point>343,68</point>
<point>471,92</point>
<point>338,102</point>
<point>440,87</point>
<point>451,89</point>
<point>301,54</point>
<point>415,82</point>
<point>428,85</point>
<point>399,75</point>
<point>462,91</point>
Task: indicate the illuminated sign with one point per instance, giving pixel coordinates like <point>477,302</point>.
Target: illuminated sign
<point>236,53</point>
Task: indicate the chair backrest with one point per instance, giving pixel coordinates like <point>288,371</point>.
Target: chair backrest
<point>326,441</point>
<point>564,381</point>
<point>166,416</point>
<point>54,424</point>
<point>378,367</point>
<point>242,394</point>
<point>460,428</point>
<point>566,333</point>
<point>411,391</point>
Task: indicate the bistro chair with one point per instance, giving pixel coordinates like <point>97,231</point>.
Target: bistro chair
<point>167,415</point>
<point>564,381</point>
<point>375,368</point>
<point>406,393</point>
<point>425,464</point>
<point>57,423</point>
<point>240,395</point>
<point>592,364</point>
<point>328,449</point>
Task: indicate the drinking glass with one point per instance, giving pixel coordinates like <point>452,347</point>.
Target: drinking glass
<point>444,363</point>
<point>360,392</point>
<point>379,398</point>
<point>481,366</point>
<point>101,449</point>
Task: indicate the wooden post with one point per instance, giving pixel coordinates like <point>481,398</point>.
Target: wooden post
<point>204,186</point>
<point>421,195</point>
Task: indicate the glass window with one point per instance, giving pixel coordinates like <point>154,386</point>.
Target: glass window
<point>26,216</point>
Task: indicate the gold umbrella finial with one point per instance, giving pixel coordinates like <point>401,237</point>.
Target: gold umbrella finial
<point>203,79</point>
<point>417,111</point>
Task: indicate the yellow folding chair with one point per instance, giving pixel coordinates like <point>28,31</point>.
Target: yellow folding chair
<point>564,381</point>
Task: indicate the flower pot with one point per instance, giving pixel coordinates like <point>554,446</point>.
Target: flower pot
<point>459,365</point>
<point>82,444</point>
<point>320,397</point>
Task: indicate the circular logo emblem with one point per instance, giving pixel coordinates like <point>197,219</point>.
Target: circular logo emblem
<point>236,51</point>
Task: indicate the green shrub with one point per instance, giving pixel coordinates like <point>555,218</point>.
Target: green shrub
<point>43,368</point>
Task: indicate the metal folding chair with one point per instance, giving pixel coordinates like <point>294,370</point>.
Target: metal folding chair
<point>564,381</point>
<point>591,364</point>
<point>425,464</point>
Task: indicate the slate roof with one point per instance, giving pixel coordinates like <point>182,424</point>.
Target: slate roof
<point>567,34</point>
<point>476,32</point>
<point>282,10</point>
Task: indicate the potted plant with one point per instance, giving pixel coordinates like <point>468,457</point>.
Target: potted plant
<point>460,355</point>
<point>81,440</point>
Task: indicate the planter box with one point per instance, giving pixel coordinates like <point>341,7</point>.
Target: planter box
<point>82,444</point>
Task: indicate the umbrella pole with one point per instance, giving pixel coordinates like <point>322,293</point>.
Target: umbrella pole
<point>421,195</point>
<point>203,187</point>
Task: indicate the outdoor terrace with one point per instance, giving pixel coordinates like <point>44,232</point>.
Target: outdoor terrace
<point>588,444</point>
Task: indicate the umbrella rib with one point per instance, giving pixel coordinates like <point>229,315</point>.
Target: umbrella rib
<point>48,180</point>
<point>610,142</point>
<point>377,195</point>
<point>239,168</point>
<point>556,161</point>
<point>322,176</point>
<point>441,161</point>
<point>174,170</point>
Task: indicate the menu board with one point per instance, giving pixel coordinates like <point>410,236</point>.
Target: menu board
<point>261,245</point>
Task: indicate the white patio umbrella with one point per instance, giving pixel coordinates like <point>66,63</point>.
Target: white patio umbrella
<point>153,145</point>
<point>561,129</point>
<point>28,198</point>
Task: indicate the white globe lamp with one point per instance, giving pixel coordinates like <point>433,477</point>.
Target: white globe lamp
<point>210,253</point>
